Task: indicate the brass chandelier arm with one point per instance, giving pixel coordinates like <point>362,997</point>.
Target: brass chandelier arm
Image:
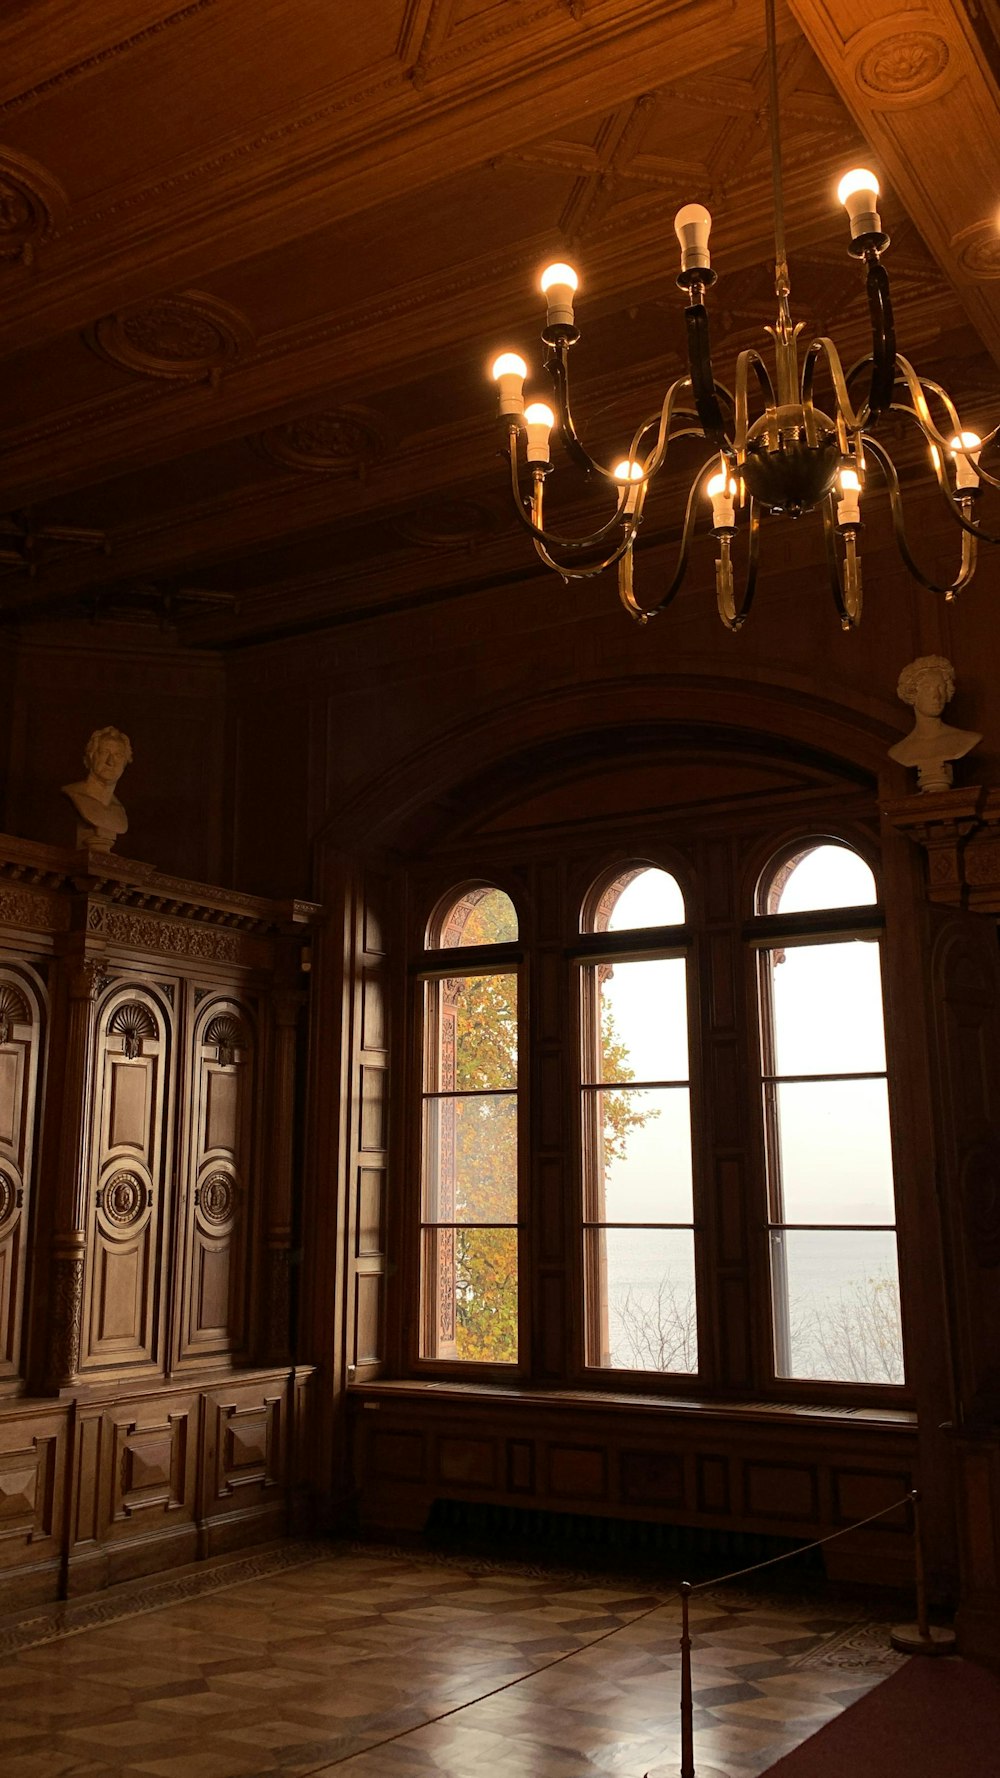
<point>557,365</point>
<point>542,540</point>
<point>883,340</point>
<point>970,534</point>
<point>958,505</point>
<point>642,613</point>
<point>918,387</point>
<point>551,538</point>
<point>703,384</point>
<point>748,359</point>
<point>823,347</point>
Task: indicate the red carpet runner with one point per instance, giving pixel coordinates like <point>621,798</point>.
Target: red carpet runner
<point>933,1719</point>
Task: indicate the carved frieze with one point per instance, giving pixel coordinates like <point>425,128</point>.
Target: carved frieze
<point>144,932</point>
<point>186,338</point>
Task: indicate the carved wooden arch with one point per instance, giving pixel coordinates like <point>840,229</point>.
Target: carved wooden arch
<point>453,911</point>
<point>536,736</point>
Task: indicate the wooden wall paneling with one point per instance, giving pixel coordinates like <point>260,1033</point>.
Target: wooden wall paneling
<point>23,1005</point>
<point>218,1207</point>
<point>129,1215</point>
<point>134,1487</point>
<point>34,1445</point>
<point>244,1460</point>
<point>66,1161</point>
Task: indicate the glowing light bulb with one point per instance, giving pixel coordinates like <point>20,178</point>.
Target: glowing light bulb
<point>628,470</point>
<point>858,192</point>
<point>966,474</point>
<point>558,283</point>
<point>721,490</point>
<point>692,226</point>
<point>849,503</point>
<point>538,423</point>
<point>509,371</point>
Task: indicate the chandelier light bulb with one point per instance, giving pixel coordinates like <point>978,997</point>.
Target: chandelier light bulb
<point>559,282</point>
<point>538,423</point>
<point>509,371</point>
<point>966,474</point>
<point>628,470</point>
<point>721,490</point>
<point>692,226</point>
<point>849,503</point>
<point>858,192</point>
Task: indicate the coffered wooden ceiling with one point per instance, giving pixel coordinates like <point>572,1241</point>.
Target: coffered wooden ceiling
<point>254,260</point>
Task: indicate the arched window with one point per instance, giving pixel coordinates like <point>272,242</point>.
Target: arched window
<point>639,1261</point>
<point>831,1208</point>
<point>470,1135</point>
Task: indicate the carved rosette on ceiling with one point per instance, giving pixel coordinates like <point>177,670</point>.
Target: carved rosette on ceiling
<point>341,440</point>
<point>978,249</point>
<point>32,204</point>
<point>449,524</point>
<point>903,65</point>
<point>186,338</point>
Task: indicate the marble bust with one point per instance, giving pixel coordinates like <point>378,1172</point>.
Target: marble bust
<point>928,684</point>
<point>102,817</point>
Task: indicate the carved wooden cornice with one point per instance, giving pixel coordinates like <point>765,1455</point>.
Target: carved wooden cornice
<point>131,904</point>
<point>959,830</point>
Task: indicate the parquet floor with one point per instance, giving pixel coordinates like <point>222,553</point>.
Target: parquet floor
<point>386,1664</point>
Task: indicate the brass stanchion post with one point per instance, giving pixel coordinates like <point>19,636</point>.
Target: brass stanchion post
<point>923,1637</point>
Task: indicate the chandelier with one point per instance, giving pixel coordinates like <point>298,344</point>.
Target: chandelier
<point>789,457</point>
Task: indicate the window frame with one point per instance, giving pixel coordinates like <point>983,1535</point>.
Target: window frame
<point>763,932</point>
<point>437,963</point>
<point>633,945</point>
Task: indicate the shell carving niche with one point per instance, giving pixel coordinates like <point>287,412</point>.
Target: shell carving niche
<point>13,1011</point>
<point>132,1022</point>
<point>228,1035</point>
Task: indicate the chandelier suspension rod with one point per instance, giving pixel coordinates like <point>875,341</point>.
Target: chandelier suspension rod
<point>781,280</point>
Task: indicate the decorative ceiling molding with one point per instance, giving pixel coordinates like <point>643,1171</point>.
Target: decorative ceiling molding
<point>32,204</point>
<point>978,249</point>
<point>186,338</point>
<point>90,63</point>
<point>338,441</point>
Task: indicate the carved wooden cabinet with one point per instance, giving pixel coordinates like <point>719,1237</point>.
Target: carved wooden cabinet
<point>148,1040</point>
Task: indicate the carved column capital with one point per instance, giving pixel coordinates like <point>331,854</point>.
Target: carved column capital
<point>947,824</point>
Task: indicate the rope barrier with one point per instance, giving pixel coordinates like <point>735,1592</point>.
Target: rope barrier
<point>685,1589</point>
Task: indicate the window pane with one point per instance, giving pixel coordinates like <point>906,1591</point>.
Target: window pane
<point>645,1279</point>
<point>825,876</point>
<point>836,1159</point>
<point>470,1159</point>
<point>640,898</point>
<point>485,1014</point>
<point>479,917</point>
<point>642,1141</point>
<point>836,1297</point>
<point>828,1009</point>
<point>643,1021</point>
<point>486,1295</point>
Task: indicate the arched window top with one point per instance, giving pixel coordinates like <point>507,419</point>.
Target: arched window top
<point>820,874</point>
<point>639,897</point>
<point>480,916</point>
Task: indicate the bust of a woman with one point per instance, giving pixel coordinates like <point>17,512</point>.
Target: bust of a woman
<point>928,684</point>
<point>102,817</point>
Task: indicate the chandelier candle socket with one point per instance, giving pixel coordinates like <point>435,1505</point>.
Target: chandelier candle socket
<point>776,446</point>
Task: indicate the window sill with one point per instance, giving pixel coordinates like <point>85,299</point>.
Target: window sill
<point>695,1407</point>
